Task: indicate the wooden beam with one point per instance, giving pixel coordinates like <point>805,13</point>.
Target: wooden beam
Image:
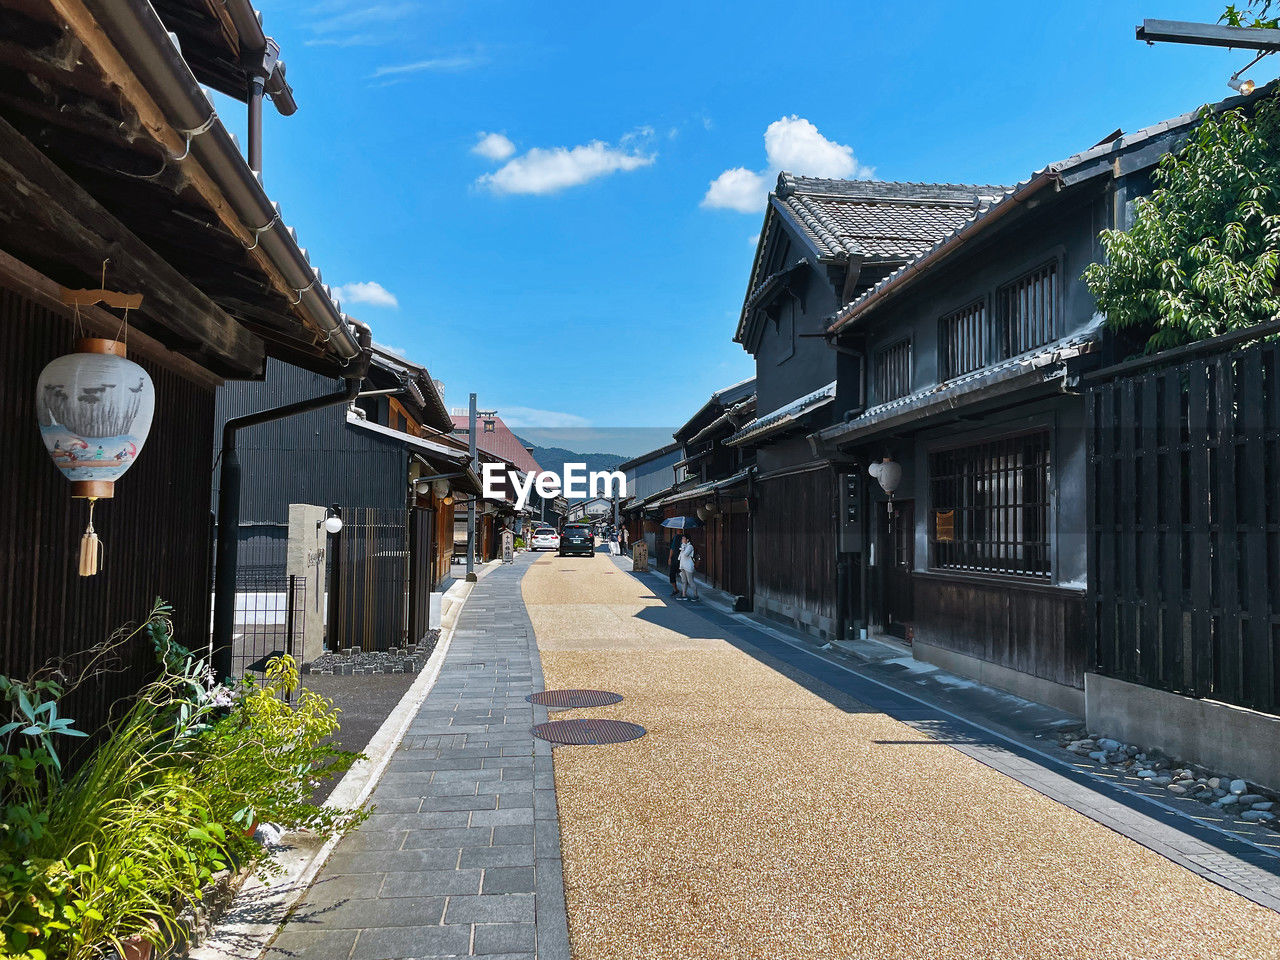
<point>34,285</point>
<point>35,190</point>
<point>118,73</point>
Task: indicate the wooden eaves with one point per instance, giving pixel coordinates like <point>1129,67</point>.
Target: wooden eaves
<point>69,91</point>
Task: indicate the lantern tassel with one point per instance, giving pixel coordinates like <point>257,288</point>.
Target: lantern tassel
<point>90,547</point>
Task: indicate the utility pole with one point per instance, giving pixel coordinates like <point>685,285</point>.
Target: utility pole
<point>471,504</point>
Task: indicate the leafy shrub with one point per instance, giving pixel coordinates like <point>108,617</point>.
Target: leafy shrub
<point>1201,256</point>
<point>118,847</point>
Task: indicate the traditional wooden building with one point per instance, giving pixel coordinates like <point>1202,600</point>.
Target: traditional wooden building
<point>388,465</point>
<point>496,444</point>
<point>962,392</point>
<point>822,244</point>
<point>713,484</point>
<point>650,477</point>
<point>116,172</point>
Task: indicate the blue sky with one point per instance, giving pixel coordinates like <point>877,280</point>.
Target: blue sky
<point>589,224</point>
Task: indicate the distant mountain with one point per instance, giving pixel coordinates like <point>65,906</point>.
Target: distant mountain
<point>554,458</point>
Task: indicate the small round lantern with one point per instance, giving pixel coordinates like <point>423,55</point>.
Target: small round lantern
<point>94,408</point>
<point>889,473</point>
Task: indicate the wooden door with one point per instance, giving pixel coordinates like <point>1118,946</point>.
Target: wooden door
<point>898,553</point>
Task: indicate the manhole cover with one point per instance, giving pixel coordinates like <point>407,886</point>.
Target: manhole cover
<point>588,731</point>
<point>574,698</point>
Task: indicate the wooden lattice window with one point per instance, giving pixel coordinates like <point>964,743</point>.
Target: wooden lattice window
<point>1027,310</point>
<point>893,371</point>
<point>962,341</point>
<point>989,507</point>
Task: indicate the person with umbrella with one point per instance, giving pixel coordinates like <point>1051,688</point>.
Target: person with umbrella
<point>673,564</point>
<point>678,544</point>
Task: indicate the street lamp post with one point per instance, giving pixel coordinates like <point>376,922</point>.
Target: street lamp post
<point>471,504</point>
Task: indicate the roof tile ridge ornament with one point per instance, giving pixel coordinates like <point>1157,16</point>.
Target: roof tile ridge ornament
<point>785,186</point>
<point>916,191</point>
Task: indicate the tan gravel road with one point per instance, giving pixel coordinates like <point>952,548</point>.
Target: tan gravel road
<point>765,818</point>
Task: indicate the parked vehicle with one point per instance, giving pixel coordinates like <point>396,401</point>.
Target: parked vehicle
<point>577,538</point>
<point>545,538</point>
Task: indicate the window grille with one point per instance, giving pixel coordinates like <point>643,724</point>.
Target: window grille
<point>962,341</point>
<point>893,371</point>
<point>1028,310</point>
<point>990,507</point>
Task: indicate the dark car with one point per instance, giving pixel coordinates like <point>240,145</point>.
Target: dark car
<point>577,538</point>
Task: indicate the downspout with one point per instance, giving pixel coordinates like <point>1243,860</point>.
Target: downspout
<point>255,125</point>
<point>224,583</point>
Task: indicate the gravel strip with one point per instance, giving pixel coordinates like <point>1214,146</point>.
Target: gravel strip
<point>764,815</point>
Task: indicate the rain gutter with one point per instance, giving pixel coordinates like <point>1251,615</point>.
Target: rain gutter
<point>253,48</point>
<point>139,35</point>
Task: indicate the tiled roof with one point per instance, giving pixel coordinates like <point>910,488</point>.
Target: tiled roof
<point>724,397</point>
<point>1077,166</point>
<point>771,422</point>
<point>952,392</point>
<point>499,442</point>
<point>703,489</point>
<point>733,415</point>
<point>877,219</point>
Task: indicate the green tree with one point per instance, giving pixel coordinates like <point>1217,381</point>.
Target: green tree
<point>1200,258</point>
<point>1256,13</point>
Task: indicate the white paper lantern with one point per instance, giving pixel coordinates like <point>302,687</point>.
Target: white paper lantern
<point>95,409</point>
<point>888,472</point>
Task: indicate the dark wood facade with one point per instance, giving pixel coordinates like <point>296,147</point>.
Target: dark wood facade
<point>795,547</point>
<point>1032,628</point>
<point>728,549</point>
<point>1184,521</point>
<point>155,530</point>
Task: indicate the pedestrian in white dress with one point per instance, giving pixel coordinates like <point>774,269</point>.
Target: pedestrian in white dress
<point>687,584</point>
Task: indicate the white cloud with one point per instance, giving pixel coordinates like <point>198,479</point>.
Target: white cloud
<point>366,291</point>
<point>340,17</point>
<point>526,417</point>
<point>754,240</point>
<point>738,189</point>
<point>793,144</point>
<point>494,146</point>
<point>434,64</point>
<point>542,171</point>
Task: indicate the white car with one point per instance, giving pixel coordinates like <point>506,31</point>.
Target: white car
<point>545,538</point>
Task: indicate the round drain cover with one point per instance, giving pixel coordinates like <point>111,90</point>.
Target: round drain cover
<point>574,698</point>
<point>588,731</point>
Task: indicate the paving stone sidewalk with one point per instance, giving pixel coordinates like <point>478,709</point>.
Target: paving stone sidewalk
<point>461,856</point>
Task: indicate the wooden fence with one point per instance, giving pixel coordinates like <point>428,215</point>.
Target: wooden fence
<point>1184,516</point>
<point>156,530</point>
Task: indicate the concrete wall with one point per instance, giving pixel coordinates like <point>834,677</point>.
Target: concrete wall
<point>1020,684</point>
<point>307,557</point>
<point>1224,738</point>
